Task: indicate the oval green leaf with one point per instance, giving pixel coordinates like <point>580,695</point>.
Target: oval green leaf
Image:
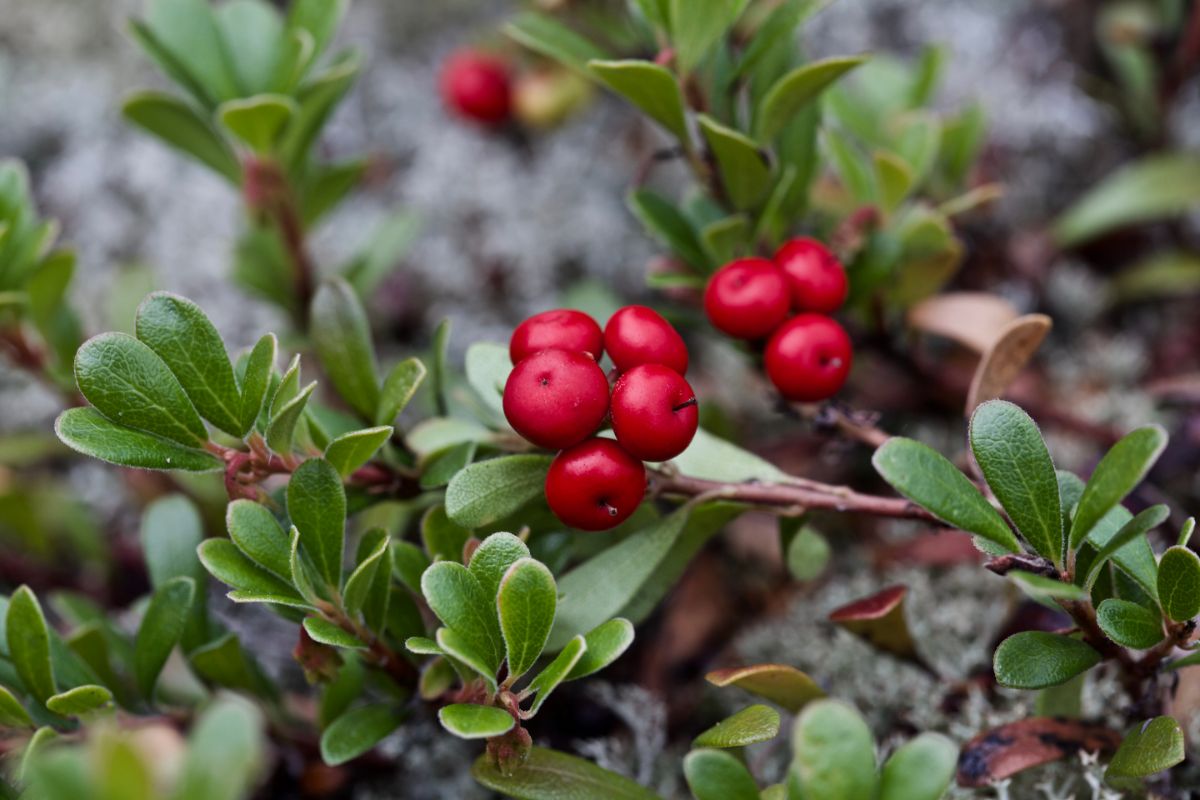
<point>526,603</point>
<point>488,491</point>
<point>1129,624</point>
<point>470,721</point>
<point>357,731</point>
<point>1121,469</point>
<point>342,338</point>
<point>1037,659</point>
<point>1179,583</point>
<point>551,775</point>
<point>715,775</point>
<point>750,725</point>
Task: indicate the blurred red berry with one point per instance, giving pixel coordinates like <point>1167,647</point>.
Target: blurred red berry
<point>477,86</point>
<point>816,278</point>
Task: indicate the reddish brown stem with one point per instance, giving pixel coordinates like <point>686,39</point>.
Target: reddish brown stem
<point>267,191</point>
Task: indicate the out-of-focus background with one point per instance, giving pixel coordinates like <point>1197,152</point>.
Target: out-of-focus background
<point>505,224</point>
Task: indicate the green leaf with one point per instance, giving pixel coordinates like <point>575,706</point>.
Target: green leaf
<point>12,713</point>
<point>443,538</point>
<point>714,459</point>
<point>161,629</point>
<point>342,338</point>
<point>665,223</point>
<point>183,337</point>
<point>357,731</point>
<point>408,562</point>
<point>470,721</point>
<point>1036,659</point>
<point>833,753</point>
<point>605,644</point>
<point>716,775</point>
<point>697,25</point>
<point>398,389</point>
<point>316,503</point>
<point>745,173</point>
<point>169,64</point>
<point>225,562</point>
<point>180,126</point>
<point>28,641</point>
<point>259,366</point>
<point>459,601</point>
<point>79,701</point>
<point>929,479</point>
<point>258,121</point>
<point>919,770</point>
<point>1185,533</point>
<point>750,725</point>
<point>225,752</point>
<point>791,93</point>
<point>224,662</point>
<point>1186,661</point>
<point>171,531</point>
<point>378,597</point>
<point>351,450</point>
<point>850,164</point>
<point>465,651</point>
<point>650,87</point>
<point>256,532</point>
<point>555,672</point>
<point>543,34</point>
<point>1179,583</point>
<point>525,602</point>
<point>1121,469</point>
<point>1133,530</point>
<point>188,30</point>
<point>551,775</point>
<point>87,431</point>
<point>783,685</point>
<point>325,632</point>
<point>807,554</point>
<point>318,98</point>
<point>488,491</point>
<point>723,240</point>
<point>1158,186</point>
<point>1045,589</point>
<point>321,18</point>
<point>488,366</point>
<point>439,373</point>
<point>894,177</point>
<point>253,38</point>
<point>1013,457</point>
<point>131,385</point>
<point>325,187</point>
<point>1129,624</point>
<point>281,430</point>
<point>491,560</point>
<point>1152,747</point>
<point>362,581</point>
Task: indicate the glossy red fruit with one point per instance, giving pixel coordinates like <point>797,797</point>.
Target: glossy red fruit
<point>639,335</point>
<point>556,398</point>
<point>809,358</point>
<point>816,278</point>
<point>654,413</point>
<point>477,86</point>
<point>561,329</point>
<point>747,298</point>
<point>595,485</point>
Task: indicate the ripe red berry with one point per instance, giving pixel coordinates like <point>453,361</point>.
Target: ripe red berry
<point>747,298</point>
<point>639,335</point>
<point>556,398</point>
<point>561,329</point>
<point>809,358</point>
<point>815,276</point>
<point>654,412</point>
<point>477,86</point>
<point>595,485</point>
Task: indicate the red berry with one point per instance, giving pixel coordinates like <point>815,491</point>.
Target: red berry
<point>809,358</point>
<point>639,335</point>
<point>654,412</point>
<point>556,398</point>
<point>816,277</point>
<point>561,329</point>
<point>747,298</point>
<point>595,485</point>
<point>477,86</point>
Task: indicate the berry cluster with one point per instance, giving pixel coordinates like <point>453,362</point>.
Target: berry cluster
<point>807,356</point>
<point>558,397</point>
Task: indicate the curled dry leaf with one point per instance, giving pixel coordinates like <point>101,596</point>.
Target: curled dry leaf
<point>1004,751</point>
<point>973,319</point>
<point>786,686</point>
<point>879,619</point>
<point>1005,359</point>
